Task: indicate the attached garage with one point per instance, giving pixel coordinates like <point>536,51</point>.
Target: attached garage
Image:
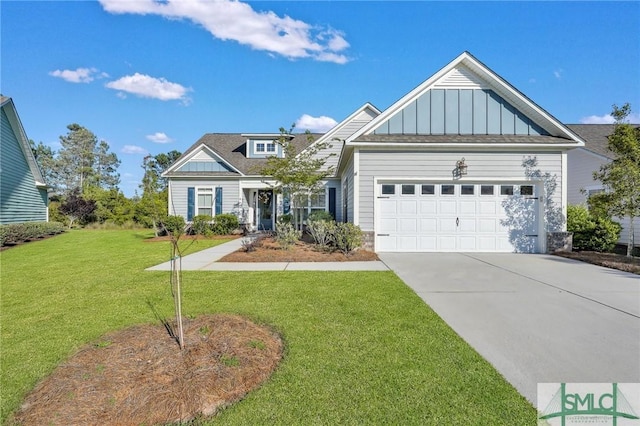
<point>457,216</point>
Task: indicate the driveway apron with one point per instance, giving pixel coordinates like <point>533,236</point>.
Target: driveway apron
<point>535,318</point>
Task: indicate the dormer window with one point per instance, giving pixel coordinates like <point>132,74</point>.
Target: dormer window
<point>265,147</point>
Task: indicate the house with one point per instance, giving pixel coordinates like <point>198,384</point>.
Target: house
<point>463,162</point>
<point>23,192</point>
<point>584,161</point>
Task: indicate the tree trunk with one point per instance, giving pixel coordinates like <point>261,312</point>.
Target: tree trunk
<point>176,269</point>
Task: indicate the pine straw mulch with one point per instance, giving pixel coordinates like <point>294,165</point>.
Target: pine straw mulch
<point>268,250</point>
<point>139,375</point>
<point>608,260</point>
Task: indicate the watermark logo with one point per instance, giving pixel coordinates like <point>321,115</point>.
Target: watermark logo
<point>616,404</point>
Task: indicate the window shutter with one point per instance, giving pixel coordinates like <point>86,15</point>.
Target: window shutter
<point>191,203</point>
<point>218,200</point>
<point>332,202</point>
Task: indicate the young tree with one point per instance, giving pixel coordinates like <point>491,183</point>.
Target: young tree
<point>297,175</point>
<point>75,207</point>
<point>621,177</point>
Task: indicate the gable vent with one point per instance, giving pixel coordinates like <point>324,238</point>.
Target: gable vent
<point>460,78</point>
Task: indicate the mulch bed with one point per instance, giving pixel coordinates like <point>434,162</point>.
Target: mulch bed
<point>609,260</point>
<point>269,250</point>
<point>140,376</point>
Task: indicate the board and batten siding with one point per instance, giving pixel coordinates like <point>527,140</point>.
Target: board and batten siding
<point>459,111</point>
<point>20,199</point>
<point>425,166</point>
<point>179,190</point>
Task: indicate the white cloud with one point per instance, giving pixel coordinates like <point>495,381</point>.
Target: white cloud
<point>79,75</point>
<point>237,21</point>
<point>150,87</point>
<point>159,137</point>
<point>608,119</point>
<point>558,73</point>
<point>315,124</point>
<point>133,149</point>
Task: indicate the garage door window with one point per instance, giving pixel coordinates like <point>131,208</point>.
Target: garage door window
<point>466,190</point>
<point>526,190</point>
<point>408,189</point>
<point>506,190</point>
<point>486,190</point>
<point>428,190</point>
<point>388,189</point>
<point>447,189</point>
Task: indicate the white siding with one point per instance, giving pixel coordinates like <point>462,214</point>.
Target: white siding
<point>482,166</point>
<point>178,201</point>
<point>336,138</point>
<point>581,164</point>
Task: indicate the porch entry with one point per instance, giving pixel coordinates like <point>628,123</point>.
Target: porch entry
<point>264,210</point>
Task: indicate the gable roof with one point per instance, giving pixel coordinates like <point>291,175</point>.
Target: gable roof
<point>596,137</point>
<point>231,148</point>
<point>7,105</point>
<point>466,71</point>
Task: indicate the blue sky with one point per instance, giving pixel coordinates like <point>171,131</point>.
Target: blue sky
<point>151,77</point>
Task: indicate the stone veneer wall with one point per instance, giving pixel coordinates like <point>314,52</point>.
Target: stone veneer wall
<point>368,240</point>
<point>559,241</point>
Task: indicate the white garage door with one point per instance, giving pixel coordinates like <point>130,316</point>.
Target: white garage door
<point>463,217</point>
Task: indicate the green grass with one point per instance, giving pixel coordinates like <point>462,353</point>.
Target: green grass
<point>361,347</point>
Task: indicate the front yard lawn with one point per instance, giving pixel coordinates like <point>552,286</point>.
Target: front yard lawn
<point>360,347</point>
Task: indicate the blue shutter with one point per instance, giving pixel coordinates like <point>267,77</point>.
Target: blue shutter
<point>218,201</point>
<point>191,203</point>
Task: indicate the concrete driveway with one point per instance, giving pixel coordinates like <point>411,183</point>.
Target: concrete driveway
<point>535,318</point>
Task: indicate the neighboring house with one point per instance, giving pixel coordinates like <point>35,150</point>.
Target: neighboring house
<point>464,162</point>
<point>23,192</point>
<point>588,159</point>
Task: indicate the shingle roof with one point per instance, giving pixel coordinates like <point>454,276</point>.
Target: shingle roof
<point>232,148</point>
<point>595,137</point>
<point>479,139</point>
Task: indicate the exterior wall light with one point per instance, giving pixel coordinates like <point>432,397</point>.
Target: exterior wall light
<point>461,167</point>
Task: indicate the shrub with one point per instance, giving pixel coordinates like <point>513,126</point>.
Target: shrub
<point>591,233</point>
<point>322,231</point>
<point>173,225</point>
<point>285,218</point>
<point>320,215</point>
<point>347,237</point>
<point>225,224</point>
<point>202,225</point>
<point>287,235</point>
<point>20,232</point>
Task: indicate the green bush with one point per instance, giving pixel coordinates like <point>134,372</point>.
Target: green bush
<point>347,237</point>
<point>591,233</point>
<point>287,235</point>
<point>285,218</point>
<point>21,232</point>
<point>322,231</point>
<point>173,225</point>
<point>202,225</point>
<point>320,215</point>
<point>225,224</point>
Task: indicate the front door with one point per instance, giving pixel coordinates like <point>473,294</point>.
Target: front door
<point>265,210</point>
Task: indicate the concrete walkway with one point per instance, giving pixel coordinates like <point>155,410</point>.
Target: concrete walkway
<point>207,260</point>
<point>536,318</point>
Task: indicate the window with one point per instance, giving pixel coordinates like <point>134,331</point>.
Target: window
<point>264,147</point>
<point>506,190</point>
<point>408,189</point>
<point>388,189</point>
<point>486,190</point>
<point>309,204</point>
<point>428,189</point>
<point>447,190</point>
<point>526,190</point>
<point>260,147</point>
<point>466,189</point>
<point>271,147</point>
<point>204,204</point>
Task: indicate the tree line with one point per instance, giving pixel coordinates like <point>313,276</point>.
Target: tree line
<point>84,182</point>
